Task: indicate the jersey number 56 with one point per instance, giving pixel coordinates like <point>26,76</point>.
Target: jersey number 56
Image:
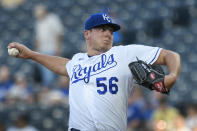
<point>103,83</point>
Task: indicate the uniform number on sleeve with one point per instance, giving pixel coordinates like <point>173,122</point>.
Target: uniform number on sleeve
<point>103,83</point>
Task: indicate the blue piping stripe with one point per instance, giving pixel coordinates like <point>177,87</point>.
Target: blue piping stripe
<point>155,56</point>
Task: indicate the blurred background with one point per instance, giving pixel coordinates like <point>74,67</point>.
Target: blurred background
<point>33,98</point>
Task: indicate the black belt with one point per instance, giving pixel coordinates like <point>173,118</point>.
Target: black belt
<point>73,129</point>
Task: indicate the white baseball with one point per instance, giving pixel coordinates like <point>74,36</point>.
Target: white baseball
<point>13,51</point>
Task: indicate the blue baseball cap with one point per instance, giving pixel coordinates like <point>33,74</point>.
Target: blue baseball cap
<point>100,19</point>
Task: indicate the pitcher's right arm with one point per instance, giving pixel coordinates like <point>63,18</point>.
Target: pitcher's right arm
<point>54,63</point>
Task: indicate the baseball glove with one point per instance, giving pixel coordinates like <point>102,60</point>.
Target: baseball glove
<point>149,76</point>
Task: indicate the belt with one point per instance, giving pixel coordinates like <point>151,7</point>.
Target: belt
<point>73,129</point>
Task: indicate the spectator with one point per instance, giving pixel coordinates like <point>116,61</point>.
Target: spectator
<point>49,36</point>
<point>135,115</point>
<point>52,97</point>
<point>5,82</point>
<point>11,4</point>
<point>164,116</point>
<point>22,124</point>
<point>57,95</point>
<point>191,118</point>
<point>179,123</point>
<point>20,91</point>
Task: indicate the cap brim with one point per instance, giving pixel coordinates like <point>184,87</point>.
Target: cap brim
<point>115,27</point>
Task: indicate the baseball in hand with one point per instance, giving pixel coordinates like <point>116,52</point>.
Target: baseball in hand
<point>13,51</point>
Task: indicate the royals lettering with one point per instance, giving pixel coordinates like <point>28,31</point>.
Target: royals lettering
<point>84,73</point>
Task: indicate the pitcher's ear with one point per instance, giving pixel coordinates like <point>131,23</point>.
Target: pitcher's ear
<point>86,34</point>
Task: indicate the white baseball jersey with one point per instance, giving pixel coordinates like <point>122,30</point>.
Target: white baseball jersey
<point>100,86</point>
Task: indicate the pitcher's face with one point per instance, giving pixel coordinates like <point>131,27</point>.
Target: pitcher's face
<point>101,38</point>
